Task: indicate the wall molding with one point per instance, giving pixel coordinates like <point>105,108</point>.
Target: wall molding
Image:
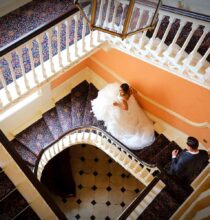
<point>169,111</point>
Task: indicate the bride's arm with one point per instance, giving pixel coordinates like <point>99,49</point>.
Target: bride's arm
<point>123,105</point>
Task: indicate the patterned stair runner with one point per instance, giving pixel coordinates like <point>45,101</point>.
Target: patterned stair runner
<point>148,153</point>
<point>175,189</point>
<point>63,108</point>
<point>24,153</point>
<point>27,214</point>
<point>164,156</point>
<point>6,186</point>
<point>53,123</point>
<point>78,102</point>
<point>162,207</point>
<point>12,204</point>
<point>89,118</point>
<point>36,137</point>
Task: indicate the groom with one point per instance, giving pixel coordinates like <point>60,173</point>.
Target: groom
<point>188,164</point>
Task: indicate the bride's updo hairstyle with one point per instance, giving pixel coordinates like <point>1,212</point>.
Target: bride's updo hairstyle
<point>125,88</point>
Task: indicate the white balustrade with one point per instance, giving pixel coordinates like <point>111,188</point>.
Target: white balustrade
<point>84,26</point>
<point>192,54</point>
<point>105,24</point>
<point>59,43</point>
<point>104,143</point>
<point>180,53</point>
<point>168,52</point>
<point>19,53</point>
<point>160,46</point>
<point>29,45</point>
<point>75,36</point>
<point>68,22</point>
<point>4,84</point>
<point>116,5</point>
<point>151,41</point>
<point>171,57</point>
<point>39,41</point>
<point>16,86</point>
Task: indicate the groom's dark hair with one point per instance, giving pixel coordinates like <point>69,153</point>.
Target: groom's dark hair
<point>125,87</point>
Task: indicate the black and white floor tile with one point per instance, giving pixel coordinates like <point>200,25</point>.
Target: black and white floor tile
<point>104,188</point>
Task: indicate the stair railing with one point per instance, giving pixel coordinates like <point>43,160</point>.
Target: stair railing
<point>35,59</point>
<point>138,205</point>
<point>104,141</point>
<point>178,44</point>
<point>8,156</point>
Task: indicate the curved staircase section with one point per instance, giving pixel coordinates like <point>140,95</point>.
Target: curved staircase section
<point>71,122</point>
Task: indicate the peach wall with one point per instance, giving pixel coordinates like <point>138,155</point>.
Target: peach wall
<point>175,93</point>
<point>65,76</point>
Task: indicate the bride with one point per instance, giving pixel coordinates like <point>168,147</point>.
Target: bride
<point>124,119</point>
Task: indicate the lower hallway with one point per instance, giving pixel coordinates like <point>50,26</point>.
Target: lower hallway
<point>103,188</point>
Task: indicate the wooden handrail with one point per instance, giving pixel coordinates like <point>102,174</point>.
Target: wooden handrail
<point>140,198</point>
<point>109,136</point>
<point>40,188</point>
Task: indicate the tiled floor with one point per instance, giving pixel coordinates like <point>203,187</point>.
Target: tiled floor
<point>104,188</point>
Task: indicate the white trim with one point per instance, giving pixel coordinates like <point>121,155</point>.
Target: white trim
<point>176,115</point>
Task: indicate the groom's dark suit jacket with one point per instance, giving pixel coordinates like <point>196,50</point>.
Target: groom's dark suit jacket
<point>187,166</point>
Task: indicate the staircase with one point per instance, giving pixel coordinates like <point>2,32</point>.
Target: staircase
<point>73,112</point>
<point>12,204</point>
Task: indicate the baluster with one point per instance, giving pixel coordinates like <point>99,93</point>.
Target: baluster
<point>39,40</point>
<point>116,4</point>
<point>9,61</point>
<point>75,34</point>
<point>155,32</point>
<point>121,20</point>
<point>4,84</point>
<point>84,23</point>
<point>99,21</point>
<point>142,38</point>
<point>180,53</point>
<point>49,41</point>
<point>105,24</point>
<point>30,46</point>
<point>68,22</point>
<point>1,104</point>
<point>134,37</point>
<point>91,39</point>
<point>19,53</point>
<point>202,61</point>
<point>171,20</point>
<point>59,28</point>
<point>192,54</point>
<point>170,48</point>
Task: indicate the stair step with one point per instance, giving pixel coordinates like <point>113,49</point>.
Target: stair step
<point>89,118</point>
<point>78,101</point>
<point>12,205</point>
<point>24,153</point>
<point>52,121</point>
<point>36,137</point>
<point>27,214</point>
<point>162,207</point>
<point>6,186</point>
<point>147,153</point>
<point>164,156</point>
<point>63,108</point>
<point>176,190</point>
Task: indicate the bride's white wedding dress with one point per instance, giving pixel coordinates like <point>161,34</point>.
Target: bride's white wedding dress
<point>131,127</point>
